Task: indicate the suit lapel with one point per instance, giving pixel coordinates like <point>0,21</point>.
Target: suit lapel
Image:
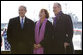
<point>59,18</point>
<point>18,22</point>
<point>25,22</point>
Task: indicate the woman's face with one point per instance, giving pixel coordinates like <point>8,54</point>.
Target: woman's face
<point>42,14</point>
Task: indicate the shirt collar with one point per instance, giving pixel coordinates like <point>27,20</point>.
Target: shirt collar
<point>23,18</point>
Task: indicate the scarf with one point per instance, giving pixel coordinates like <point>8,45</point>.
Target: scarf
<point>39,36</point>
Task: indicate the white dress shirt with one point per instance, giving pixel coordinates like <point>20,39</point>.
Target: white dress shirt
<point>23,19</point>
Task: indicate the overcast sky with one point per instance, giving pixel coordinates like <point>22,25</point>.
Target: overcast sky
<point>9,9</point>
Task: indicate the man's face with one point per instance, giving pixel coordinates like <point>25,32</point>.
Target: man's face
<point>22,11</point>
<point>56,9</point>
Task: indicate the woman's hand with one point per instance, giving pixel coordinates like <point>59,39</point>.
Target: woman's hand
<point>37,45</point>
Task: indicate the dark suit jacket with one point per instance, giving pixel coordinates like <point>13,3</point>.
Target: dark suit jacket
<point>63,32</point>
<point>21,40</point>
<point>47,41</point>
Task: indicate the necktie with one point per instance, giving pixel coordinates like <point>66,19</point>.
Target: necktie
<point>22,23</point>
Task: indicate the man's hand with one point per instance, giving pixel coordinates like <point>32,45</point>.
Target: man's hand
<point>66,44</point>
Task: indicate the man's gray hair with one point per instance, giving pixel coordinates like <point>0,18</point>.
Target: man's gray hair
<point>23,7</point>
<point>59,5</point>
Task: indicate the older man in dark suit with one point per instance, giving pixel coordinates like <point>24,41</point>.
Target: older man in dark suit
<point>21,33</point>
<point>63,31</point>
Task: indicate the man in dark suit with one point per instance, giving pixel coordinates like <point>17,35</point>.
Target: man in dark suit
<point>21,33</point>
<point>63,31</point>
